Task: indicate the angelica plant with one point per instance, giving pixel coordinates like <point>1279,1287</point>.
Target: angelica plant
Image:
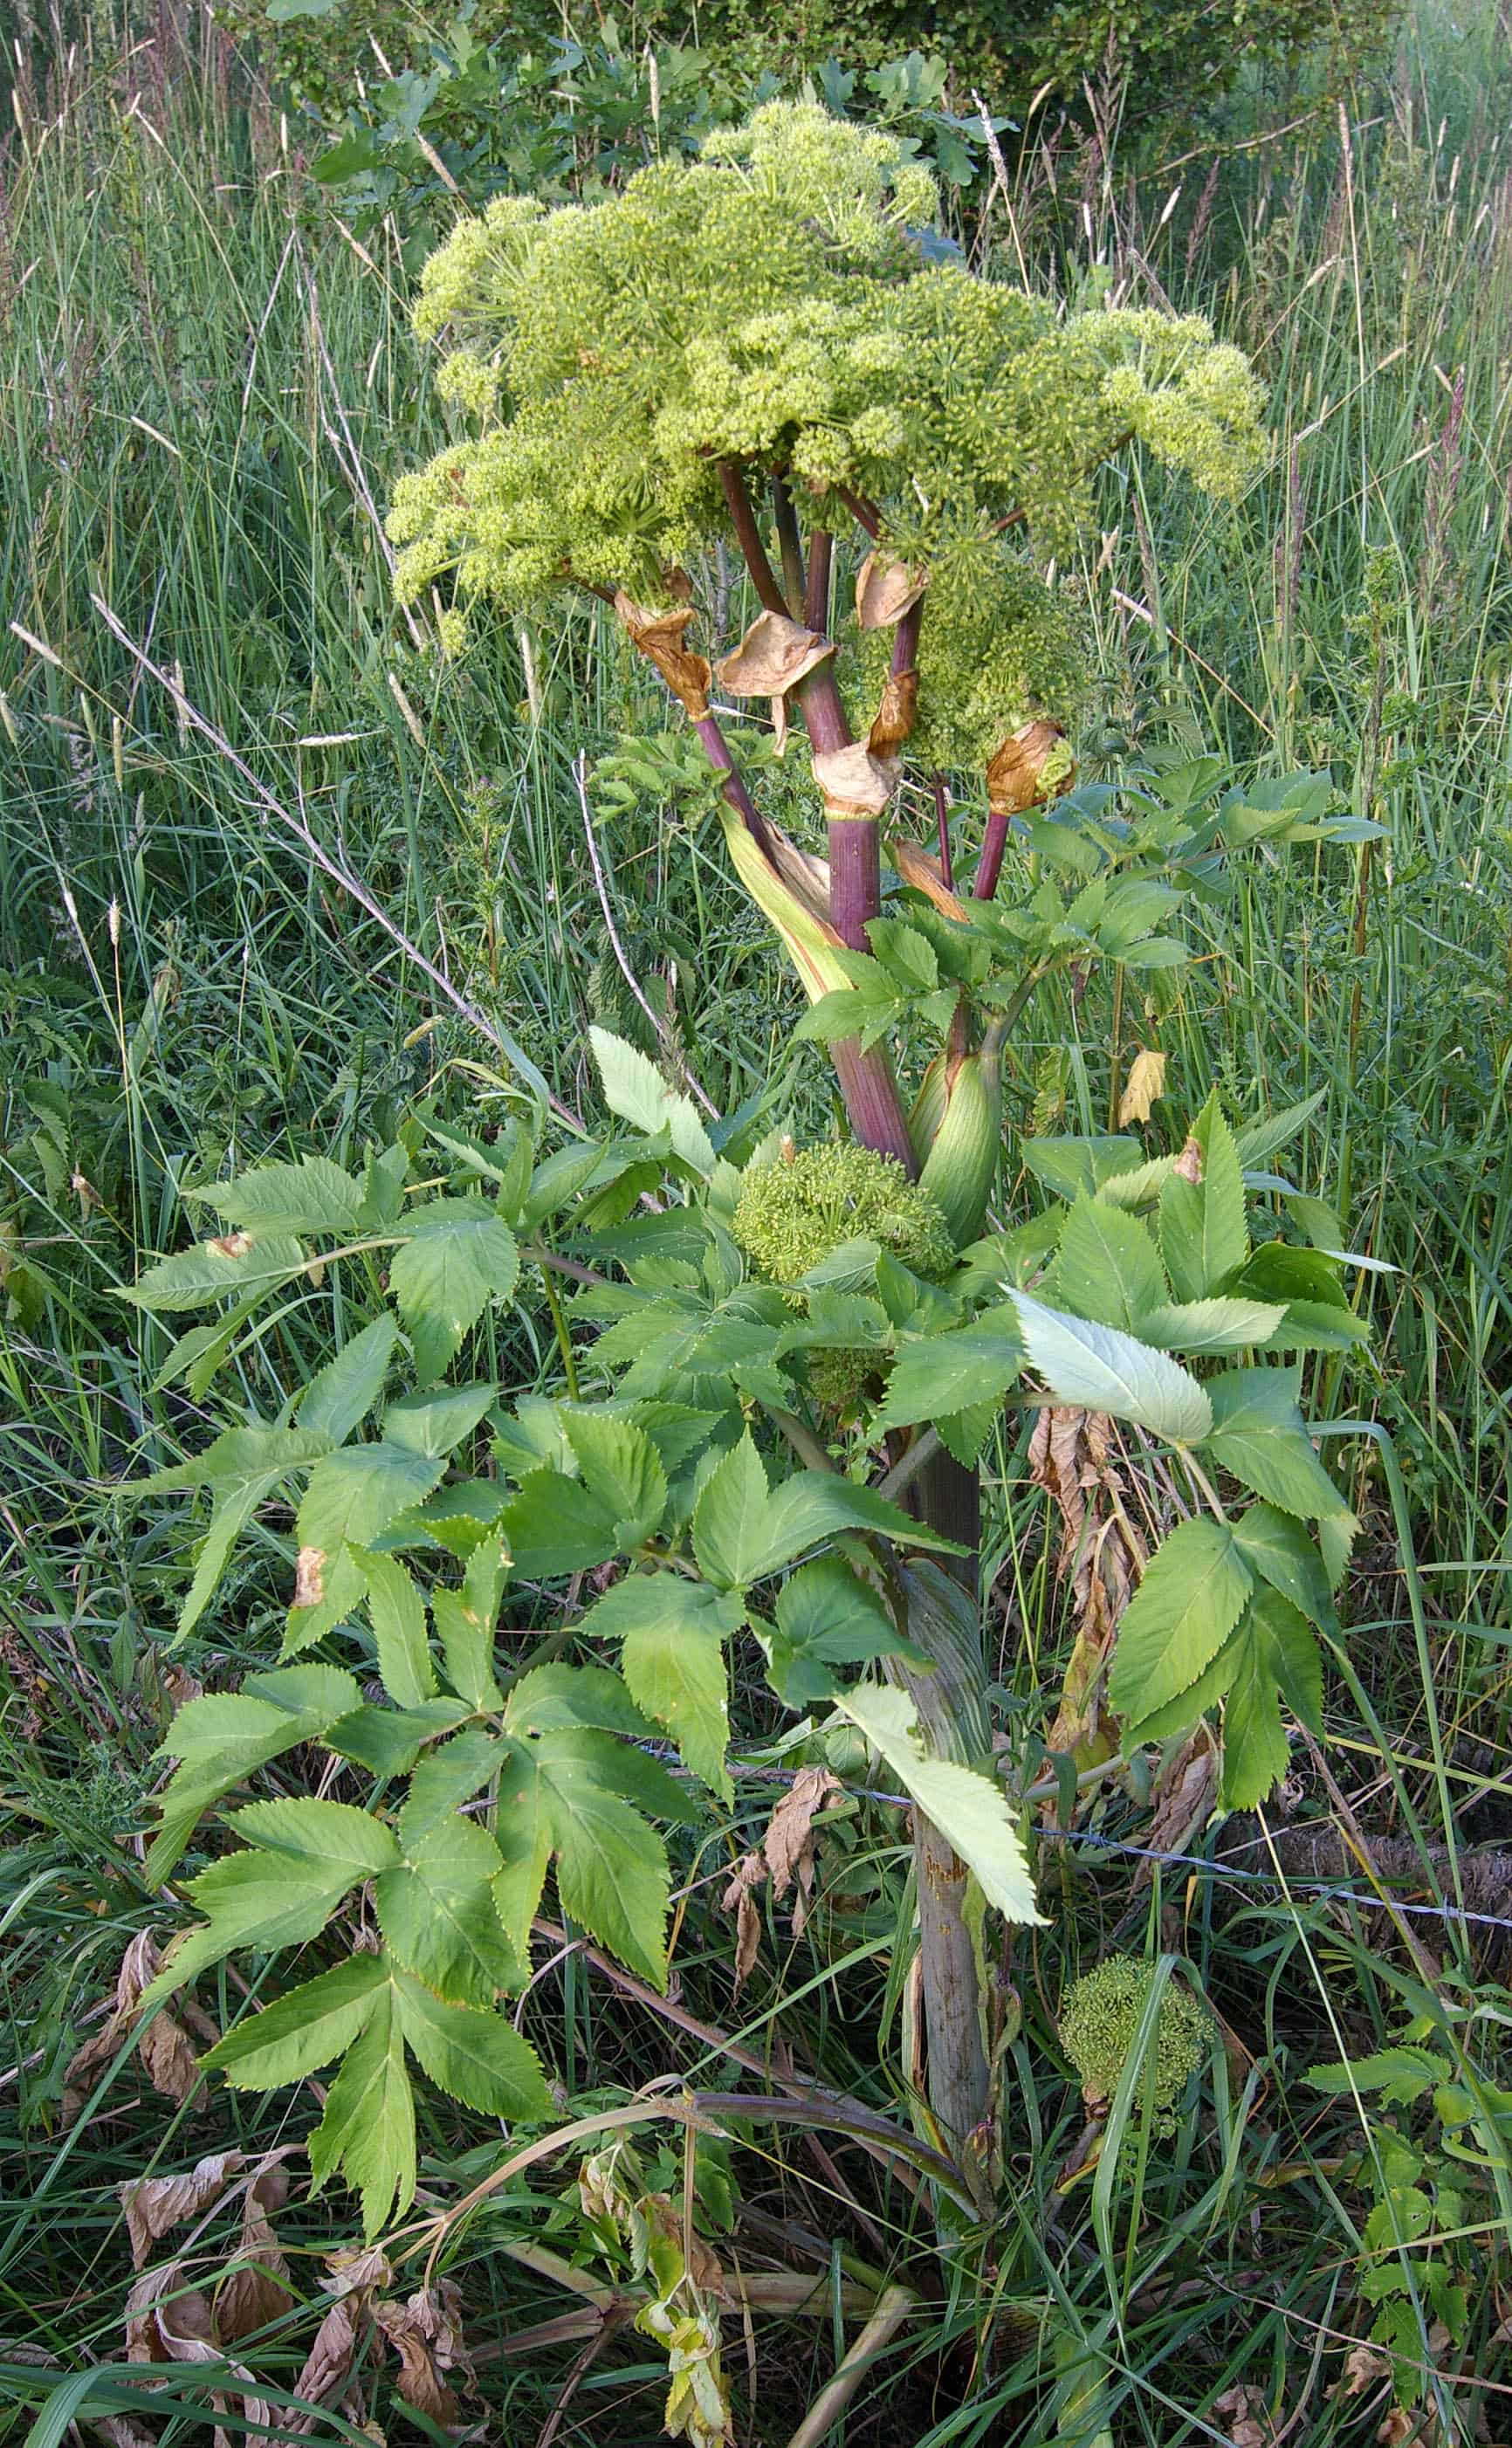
<point>768,350</point>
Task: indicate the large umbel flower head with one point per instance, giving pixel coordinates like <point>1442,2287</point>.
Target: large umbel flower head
<point>772,306</point>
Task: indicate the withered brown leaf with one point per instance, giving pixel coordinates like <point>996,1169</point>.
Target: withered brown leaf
<point>884,589</point>
<point>773,657</point>
<point>1146,1081</point>
<point>1015,768</point>
<point>659,635</point>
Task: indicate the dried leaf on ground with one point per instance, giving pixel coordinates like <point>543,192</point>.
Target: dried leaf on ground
<point>1363,2367</point>
<point>165,2047</point>
<point>1245,2422</point>
<point>153,2204</point>
<point>257,2291</point>
<point>1146,1081</point>
<point>426,2334</point>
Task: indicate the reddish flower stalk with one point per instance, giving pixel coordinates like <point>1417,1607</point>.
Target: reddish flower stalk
<point>994,842</point>
<point>753,550</point>
<point>716,749</point>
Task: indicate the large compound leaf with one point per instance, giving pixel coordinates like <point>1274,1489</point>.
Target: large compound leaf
<point>437,1913</point>
<point>479,2059</point>
<point>634,1089</point>
<point>300,2031</point>
<point>1204,1237</point>
<point>1260,1434</point>
<point>672,1634</point>
<point>557,1797</point>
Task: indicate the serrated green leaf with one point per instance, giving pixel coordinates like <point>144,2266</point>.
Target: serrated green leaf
<point>396,1613</point>
<point>672,1634</point>
<point>611,1864</point>
<point>448,1777</point>
<point>1203,1327</point>
<point>461,1255</point>
<point>367,2128</point>
<point>1108,1267</point>
<point>826,1617</point>
<point>1195,1589</point>
<point>238,1456</point>
<point>300,2031</point>
<point>479,2059</point>
<point>1276,1546</point>
<point>945,1373</point>
<point>1277,1659</point>
<point>818,1504</point>
<point>434,1425</point>
<point>389,1741</point>
<point>239,1264</point>
<point>436,1910</point>
<point>341,1395</point>
<point>552,1696</point>
<point>221,1737</point>
<point>1097,1369</point>
<point>556,1524</point>
<point>252,1898</point>
<point>313,1195</point>
<point>354,1494</point>
<point>634,1089</point>
<point>969,1810</point>
<point>1069,1166</point>
<point>622,1467</point>
<point>1403,2074</point>
<point>1204,1237</point>
<point>468,1641</point>
<point>729,1519</point>
<point>337,1834</point>
<point>1258,1433</point>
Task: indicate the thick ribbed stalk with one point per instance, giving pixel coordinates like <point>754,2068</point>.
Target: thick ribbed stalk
<point>943,1619</point>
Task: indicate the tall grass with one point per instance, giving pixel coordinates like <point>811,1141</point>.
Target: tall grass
<point>209,388</point>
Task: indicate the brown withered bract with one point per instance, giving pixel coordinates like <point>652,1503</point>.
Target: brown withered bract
<point>659,636</point>
<point>1013,775</point>
<point>854,781</point>
<point>773,657</point>
<point>894,716</point>
<point>885,589</point>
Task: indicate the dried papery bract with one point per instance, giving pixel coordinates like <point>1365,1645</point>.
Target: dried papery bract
<point>773,657</point>
<point>884,589</point>
<point>1017,782</point>
<point>658,636</point>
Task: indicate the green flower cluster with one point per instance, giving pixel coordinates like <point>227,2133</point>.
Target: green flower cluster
<point>793,1211</point>
<point>774,304</point>
<point>1100,2019</point>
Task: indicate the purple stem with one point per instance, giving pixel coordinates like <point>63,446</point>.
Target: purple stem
<point>906,640</point>
<point>753,550</point>
<point>990,866</point>
<point>873,1102</point>
<point>716,749</point>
